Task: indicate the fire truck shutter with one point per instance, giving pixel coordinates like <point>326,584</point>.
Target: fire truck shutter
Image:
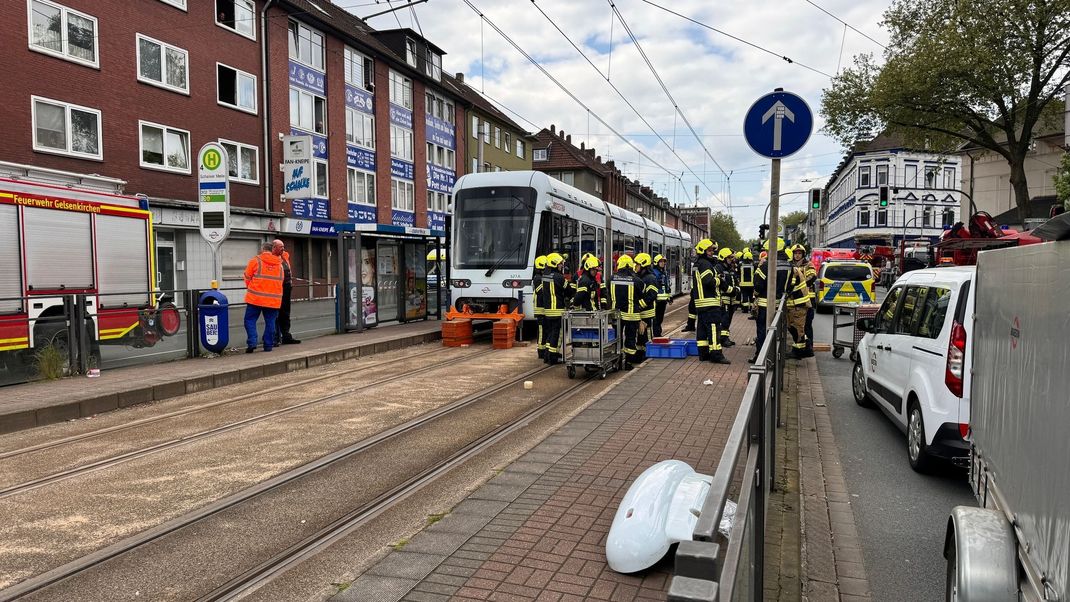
<point>122,258</point>
<point>59,249</point>
<point>10,263</point>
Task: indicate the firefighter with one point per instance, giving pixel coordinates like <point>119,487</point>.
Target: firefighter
<point>783,269</point>
<point>726,275</point>
<point>263,295</point>
<point>707,303</point>
<point>661,276</point>
<point>746,281</point>
<point>648,298</point>
<point>555,293</point>
<point>590,294</point>
<point>282,324</point>
<point>540,269</point>
<point>624,294</point>
<point>798,305</point>
<point>809,273</point>
<point>691,315</point>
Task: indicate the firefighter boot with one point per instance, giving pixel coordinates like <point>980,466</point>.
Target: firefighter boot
<point>717,357</point>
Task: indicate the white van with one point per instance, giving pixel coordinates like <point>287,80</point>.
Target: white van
<point>914,362</point>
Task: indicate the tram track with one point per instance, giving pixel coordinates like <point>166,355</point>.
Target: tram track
<point>231,426</point>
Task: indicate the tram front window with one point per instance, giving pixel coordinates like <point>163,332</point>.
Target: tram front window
<point>493,227</point>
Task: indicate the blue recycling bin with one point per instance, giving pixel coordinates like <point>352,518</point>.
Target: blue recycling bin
<point>213,321</point>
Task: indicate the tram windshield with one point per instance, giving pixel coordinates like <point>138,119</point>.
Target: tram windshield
<point>493,227</point>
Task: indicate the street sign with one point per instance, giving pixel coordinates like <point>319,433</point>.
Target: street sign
<point>778,125</point>
<point>213,193</point>
<point>296,167</point>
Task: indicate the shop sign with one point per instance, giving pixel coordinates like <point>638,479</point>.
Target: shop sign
<point>360,158</point>
<point>307,79</point>
<point>309,227</point>
<point>359,99</point>
<point>311,208</point>
<point>440,179</point>
<point>318,144</point>
<point>362,214</point>
<point>400,116</point>
<point>436,220</point>
<point>402,218</point>
<point>296,167</point>
<point>402,169</point>
<point>440,131</point>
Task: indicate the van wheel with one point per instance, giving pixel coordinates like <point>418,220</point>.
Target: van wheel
<point>917,450</point>
<point>858,386</point>
<point>951,588</point>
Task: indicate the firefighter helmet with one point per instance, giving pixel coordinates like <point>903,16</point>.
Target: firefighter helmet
<point>779,244</point>
<point>658,258</point>
<point>554,260</point>
<point>705,244</point>
<point>624,261</point>
<point>643,260</point>
<point>591,262</point>
<point>738,255</point>
<point>540,262</point>
<point>724,253</point>
<point>747,254</point>
<point>798,249</point>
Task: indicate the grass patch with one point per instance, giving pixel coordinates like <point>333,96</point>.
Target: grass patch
<point>50,363</point>
<point>341,587</point>
<point>400,544</point>
<point>434,518</point>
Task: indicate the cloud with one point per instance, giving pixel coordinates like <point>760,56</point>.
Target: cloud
<point>713,79</point>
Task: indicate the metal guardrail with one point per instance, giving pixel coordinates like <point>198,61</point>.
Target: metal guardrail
<point>703,572</point>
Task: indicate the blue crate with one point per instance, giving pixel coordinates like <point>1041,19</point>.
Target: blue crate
<point>692,345</point>
<point>591,334</point>
<point>676,350</point>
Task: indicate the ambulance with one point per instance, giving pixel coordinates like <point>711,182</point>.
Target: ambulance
<point>63,235</point>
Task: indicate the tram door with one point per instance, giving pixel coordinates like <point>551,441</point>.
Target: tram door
<point>388,282</point>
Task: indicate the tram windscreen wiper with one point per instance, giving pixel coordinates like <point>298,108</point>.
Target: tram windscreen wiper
<point>519,246</point>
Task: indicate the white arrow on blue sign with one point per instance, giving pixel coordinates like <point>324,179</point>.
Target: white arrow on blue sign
<point>778,125</point>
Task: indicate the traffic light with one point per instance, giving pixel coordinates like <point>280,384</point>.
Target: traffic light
<point>815,198</point>
<point>883,194</point>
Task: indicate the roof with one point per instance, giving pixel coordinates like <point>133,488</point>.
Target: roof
<point>564,155</point>
<point>479,101</point>
<point>412,34</point>
<point>1038,208</point>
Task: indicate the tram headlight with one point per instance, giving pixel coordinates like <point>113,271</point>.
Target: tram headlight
<point>461,283</point>
<point>515,283</point>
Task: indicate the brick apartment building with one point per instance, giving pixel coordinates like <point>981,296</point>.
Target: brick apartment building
<point>506,146</point>
<point>97,88</point>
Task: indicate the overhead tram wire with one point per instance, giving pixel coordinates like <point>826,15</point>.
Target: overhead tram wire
<point>626,101</point>
<point>568,92</point>
<point>846,24</point>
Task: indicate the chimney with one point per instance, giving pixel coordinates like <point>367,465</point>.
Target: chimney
<point>568,138</point>
<point>611,164</point>
<point>460,77</point>
<point>581,145</point>
<point>599,159</point>
<point>553,129</point>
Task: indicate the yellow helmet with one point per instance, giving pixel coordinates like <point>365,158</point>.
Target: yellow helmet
<point>738,255</point>
<point>658,258</point>
<point>554,260</point>
<point>624,261</point>
<point>747,254</point>
<point>591,262</point>
<point>724,253</point>
<point>643,260</point>
<point>704,244</point>
<point>540,262</point>
<point>798,249</point>
<point>779,244</point>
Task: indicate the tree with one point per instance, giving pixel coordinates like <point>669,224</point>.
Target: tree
<point>983,72</point>
<point>1061,179</point>
<point>723,231</point>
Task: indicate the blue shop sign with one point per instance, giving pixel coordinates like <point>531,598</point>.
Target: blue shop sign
<point>307,79</point>
<point>311,208</point>
<point>362,214</point>
<point>402,169</point>
<point>323,229</point>
<point>436,220</point>
<point>440,132</point>
<point>360,158</point>
<point>319,143</point>
<point>400,116</point>
<point>403,218</point>
<point>440,179</point>
<point>359,99</point>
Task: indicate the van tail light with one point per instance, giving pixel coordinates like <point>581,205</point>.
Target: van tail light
<point>956,359</point>
<point>964,430</point>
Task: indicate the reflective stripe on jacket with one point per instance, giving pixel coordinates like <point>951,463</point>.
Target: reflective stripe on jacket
<point>705,284</point>
<point>662,279</point>
<point>263,280</point>
<point>624,294</point>
<point>555,294</point>
<point>746,273</point>
<point>649,296</point>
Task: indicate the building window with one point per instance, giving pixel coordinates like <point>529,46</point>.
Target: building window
<point>162,65</point>
<point>863,217</point>
<point>176,3</point>
<point>400,90</point>
<point>235,89</point>
<point>930,176</point>
<point>440,107</point>
<point>237,15</point>
<point>520,148</point>
<point>361,186</point>
<point>540,154</point>
<point>308,112</point>
<point>949,178</point>
<point>475,165</point>
<point>433,64</point>
<point>567,177</point>
<point>863,177</point>
<point>475,126</point>
<point>360,70</point>
<point>598,185</point>
<point>882,175</point>
<point>164,147</point>
<point>401,142</point>
<point>882,217</point>
<point>497,137</point>
<point>410,51</point>
<point>60,127</point>
<point>508,142</point>
<point>947,218</point>
<point>320,186</point>
<point>437,201</point>
<point>360,128</point>
<point>486,133</point>
<point>63,32</point>
<point>243,162</point>
<point>927,217</point>
<point>306,45</point>
<point>402,195</point>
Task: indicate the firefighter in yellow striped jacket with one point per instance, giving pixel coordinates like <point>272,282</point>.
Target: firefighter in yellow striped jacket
<point>540,269</point>
<point>707,295</point>
<point>809,273</point>
<point>625,290</point>
<point>798,306</point>
<point>648,301</point>
<point>554,300</point>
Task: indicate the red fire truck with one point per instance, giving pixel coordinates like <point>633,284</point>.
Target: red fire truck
<point>57,241</point>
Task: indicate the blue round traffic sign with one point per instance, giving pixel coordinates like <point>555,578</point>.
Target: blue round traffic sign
<point>778,125</point>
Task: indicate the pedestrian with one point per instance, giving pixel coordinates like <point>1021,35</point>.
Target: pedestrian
<point>809,273</point>
<point>746,281</point>
<point>263,295</point>
<point>661,276</point>
<point>590,294</point>
<point>624,292</point>
<point>707,304</point>
<point>537,280</point>
<point>727,275</point>
<point>282,325</point>
<point>555,296</point>
<point>783,269</point>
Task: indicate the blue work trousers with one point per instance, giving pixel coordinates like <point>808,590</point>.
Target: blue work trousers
<point>252,314</point>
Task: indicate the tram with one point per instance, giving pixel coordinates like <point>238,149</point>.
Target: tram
<point>502,221</point>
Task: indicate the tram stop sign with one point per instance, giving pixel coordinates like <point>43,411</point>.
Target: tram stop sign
<point>778,125</point>
<point>213,193</point>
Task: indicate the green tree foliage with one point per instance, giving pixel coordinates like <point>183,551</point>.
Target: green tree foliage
<point>982,72</point>
<point>723,231</point>
<point>793,219</point>
<point>1062,181</point>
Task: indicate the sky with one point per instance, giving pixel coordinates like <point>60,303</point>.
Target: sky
<point>713,78</point>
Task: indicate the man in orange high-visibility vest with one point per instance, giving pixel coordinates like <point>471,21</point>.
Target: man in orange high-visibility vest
<point>263,295</point>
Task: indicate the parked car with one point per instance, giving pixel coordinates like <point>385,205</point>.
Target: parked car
<point>839,281</point>
<point>914,362</point>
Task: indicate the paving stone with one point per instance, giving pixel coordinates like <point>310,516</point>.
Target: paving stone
<point>370,588</point>
<point>408,565</point>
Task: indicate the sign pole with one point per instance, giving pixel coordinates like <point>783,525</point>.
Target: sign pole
<point>771,239</point>
<point>213,192</point>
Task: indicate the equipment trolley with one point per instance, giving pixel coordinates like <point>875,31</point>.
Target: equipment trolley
<point>592,339</point>
<point>845,316</point>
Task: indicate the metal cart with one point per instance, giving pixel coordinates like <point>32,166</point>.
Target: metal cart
<point>592,339</point>
<point>846,316</point>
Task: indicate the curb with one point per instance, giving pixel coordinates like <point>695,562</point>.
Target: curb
<point>89,406</point>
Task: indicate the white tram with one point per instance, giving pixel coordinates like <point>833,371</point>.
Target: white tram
<point>502,221</point>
